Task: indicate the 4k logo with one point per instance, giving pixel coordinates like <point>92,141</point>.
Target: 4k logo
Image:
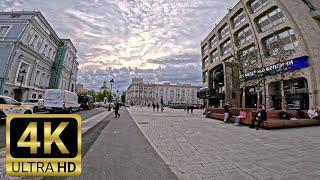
<point>43,145</point>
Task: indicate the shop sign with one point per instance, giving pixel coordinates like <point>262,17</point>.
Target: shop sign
<point>290,65</point>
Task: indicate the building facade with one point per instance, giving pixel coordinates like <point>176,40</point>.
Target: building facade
<point>140,93</point>
<point>29,48</point>
<point>256,26</point>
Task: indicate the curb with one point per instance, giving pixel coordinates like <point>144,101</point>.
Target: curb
<point>171,166</point>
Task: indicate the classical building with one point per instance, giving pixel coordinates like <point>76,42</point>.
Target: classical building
<point>80,89</point>
<point>33,57</point>
<point>104,88</point>
<point>140,93</point>
<point>257,26</point>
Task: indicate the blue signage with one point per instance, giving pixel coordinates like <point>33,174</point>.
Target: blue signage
<point>290,65</point>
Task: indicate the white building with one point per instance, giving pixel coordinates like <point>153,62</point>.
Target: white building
<point>140,93</point>
<point>29,48</point>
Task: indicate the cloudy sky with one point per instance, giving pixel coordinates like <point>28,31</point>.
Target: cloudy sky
<point>158,40</point>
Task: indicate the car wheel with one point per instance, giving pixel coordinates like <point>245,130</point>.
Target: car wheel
<point>35,109</point>
<point>28,112</point>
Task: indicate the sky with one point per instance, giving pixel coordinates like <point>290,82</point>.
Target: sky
<point>158,40</point>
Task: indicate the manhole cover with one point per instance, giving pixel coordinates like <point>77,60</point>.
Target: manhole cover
<point>143,122</point>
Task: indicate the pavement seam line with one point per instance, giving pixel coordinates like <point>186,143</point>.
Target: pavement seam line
<point>171,166</point>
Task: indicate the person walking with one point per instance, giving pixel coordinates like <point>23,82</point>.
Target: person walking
<point>153,107</point>
<point>116,109</point>
<point>157,107</point>
<point>161,107</point>
<point>226,113</point>
<point>148,105</point>
<point>260,117</point>
<point>191,109</point>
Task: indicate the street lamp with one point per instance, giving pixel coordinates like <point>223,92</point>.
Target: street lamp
<point>111,83</point>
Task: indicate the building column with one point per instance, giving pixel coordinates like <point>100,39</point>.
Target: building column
<point>243,98</point>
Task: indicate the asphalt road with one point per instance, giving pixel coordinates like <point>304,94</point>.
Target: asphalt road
<point>84,115</point>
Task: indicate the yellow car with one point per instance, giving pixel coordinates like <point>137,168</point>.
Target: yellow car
<point>11,106</point>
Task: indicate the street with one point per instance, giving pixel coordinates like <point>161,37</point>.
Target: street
<point>84,115</point>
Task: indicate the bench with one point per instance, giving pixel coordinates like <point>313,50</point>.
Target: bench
<point>273,121</point>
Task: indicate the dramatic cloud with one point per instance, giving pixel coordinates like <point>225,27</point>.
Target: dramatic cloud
<point>158,40</point>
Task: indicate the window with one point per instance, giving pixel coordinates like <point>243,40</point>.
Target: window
<point>34,40</point>
<point>33,96</point>
<point>213,41</point>
<point>39,43</point>
<point>270,20</point>
<point>54,55</point>
<point>37,79</point>
<point>286,40</point>
<point>10,101</point>
<point>205,77</point>
<point>4,30</point>
<point>49,54</point>
<point>204,49</point>
<point>243,36</point>
<point>226,47</point>
<point>256,5</point>
<point>224,31</point>
<point>238,19</point>
<point>45,49</point>
<point>205,62</point>
<point>214,55</point>
<point>248,55</point>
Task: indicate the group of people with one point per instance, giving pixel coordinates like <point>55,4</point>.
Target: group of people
<point>156,107</point>
<point>262,115</point>
<point>189,109</point>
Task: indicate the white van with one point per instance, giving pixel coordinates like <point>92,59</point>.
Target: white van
<point>57,100</point>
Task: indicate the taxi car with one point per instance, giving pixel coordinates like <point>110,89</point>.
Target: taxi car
<point>11,106</point>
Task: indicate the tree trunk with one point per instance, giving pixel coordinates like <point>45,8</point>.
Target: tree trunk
<point>283,97</point>
<point>243,98</point>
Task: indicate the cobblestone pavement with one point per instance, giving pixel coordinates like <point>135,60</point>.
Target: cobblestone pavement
<point>201,148</point>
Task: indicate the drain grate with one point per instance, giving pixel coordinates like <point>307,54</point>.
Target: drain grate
<point>143,122</point>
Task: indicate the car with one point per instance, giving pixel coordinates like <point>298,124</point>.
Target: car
<point>35,104</point>
<point>58,100</point>
<point>86,102</point>
<point>11,106</point>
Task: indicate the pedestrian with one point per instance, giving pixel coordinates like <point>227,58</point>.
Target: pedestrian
<point>161,107</point>
<point>226,112</point>
<point>260,117</point>
<point>153,107</point>
<point>157,107</point>
<point>188,109</point>
<point>148,105</point>
<point>116,109</point>
<point>109,109</point>
<point>191,109</point>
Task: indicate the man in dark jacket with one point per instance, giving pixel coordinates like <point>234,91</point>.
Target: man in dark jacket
<point>260,117</point>
<point>116,109</point>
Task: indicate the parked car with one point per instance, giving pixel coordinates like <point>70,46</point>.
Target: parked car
<point>11,106</point>
<point>57,100</point>
<point>35,104</point>
<point>86,102</point>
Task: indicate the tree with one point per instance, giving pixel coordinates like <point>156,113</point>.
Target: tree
<point>282,69</point>
<point>246,66</point>
<point>123,98</point>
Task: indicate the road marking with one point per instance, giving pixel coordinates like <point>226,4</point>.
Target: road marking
<point>86,126</point>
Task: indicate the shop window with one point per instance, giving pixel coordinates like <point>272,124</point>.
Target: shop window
<point>34,96</point>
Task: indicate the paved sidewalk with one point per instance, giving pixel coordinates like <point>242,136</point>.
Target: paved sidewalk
<point>121,152</point>
<point>203,148</point>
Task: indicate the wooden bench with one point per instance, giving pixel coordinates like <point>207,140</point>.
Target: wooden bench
<point>273,121</point>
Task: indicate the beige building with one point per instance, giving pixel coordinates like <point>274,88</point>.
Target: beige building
<point>255,26</point>
<point>140,93</point>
